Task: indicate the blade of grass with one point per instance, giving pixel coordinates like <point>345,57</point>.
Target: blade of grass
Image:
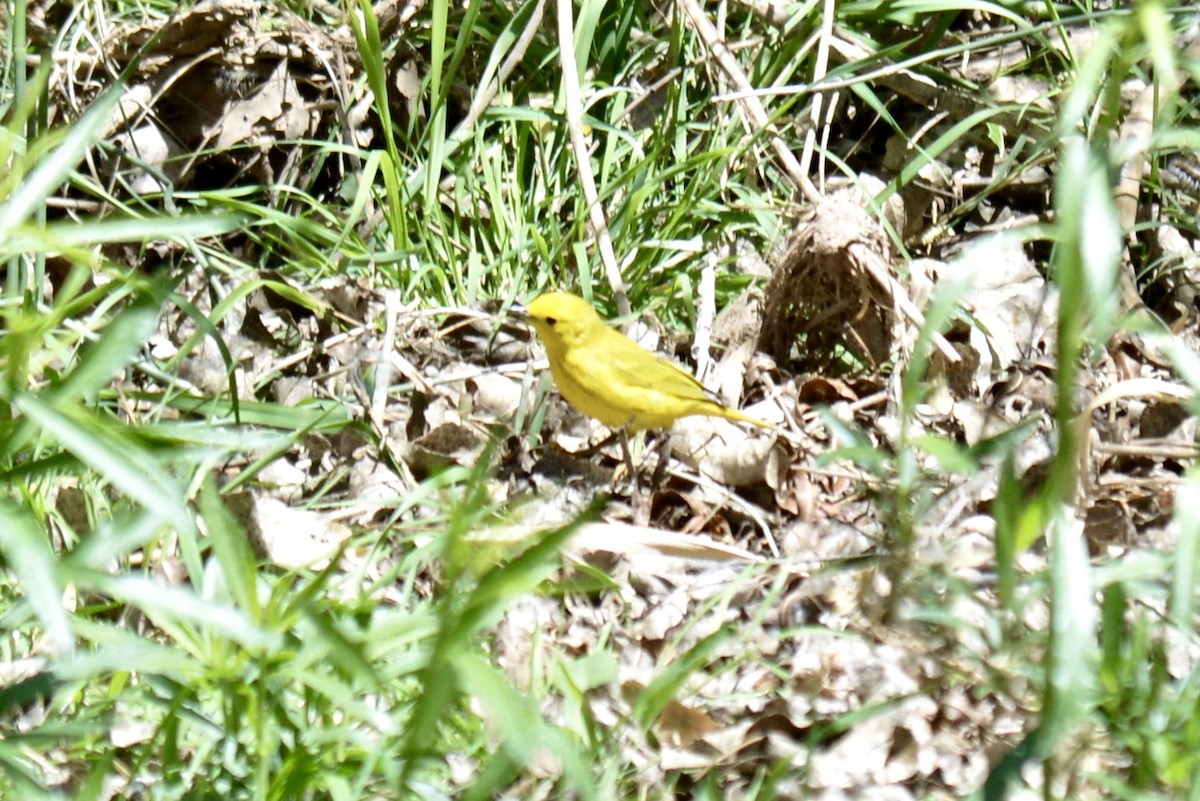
<point>53,168</point>
<point>109,452</point>
<point>31,558</point>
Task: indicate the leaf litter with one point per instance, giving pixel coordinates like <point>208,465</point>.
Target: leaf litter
<point>755,549</point>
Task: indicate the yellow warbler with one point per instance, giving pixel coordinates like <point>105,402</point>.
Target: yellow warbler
<point>606,375</point>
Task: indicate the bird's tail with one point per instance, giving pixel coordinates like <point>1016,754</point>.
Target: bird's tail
<point>734,414</point>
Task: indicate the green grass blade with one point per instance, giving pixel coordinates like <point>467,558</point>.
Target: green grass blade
<point>29,555</point>
<point>53,168</point>
<point>110,453</point>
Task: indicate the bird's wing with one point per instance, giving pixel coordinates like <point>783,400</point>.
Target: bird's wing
<point>645,372</point>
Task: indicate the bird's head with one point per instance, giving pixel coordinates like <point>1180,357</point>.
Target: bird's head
<point>561,318</point>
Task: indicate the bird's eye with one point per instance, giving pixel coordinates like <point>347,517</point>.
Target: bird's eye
<point>551,320</point>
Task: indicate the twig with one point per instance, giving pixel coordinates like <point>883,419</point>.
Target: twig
<point>383,367</point>
<point>483,99</point>
<point>751,105</point>
<point>583,159</point>
<point>870,261</point>
<point>819,70</point>
<point>752,510</point>
<point>1138,127</point>
<point>706,311</point>
<point>487,94</point>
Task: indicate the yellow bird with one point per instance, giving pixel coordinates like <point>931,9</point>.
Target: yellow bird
<point>606,375</point>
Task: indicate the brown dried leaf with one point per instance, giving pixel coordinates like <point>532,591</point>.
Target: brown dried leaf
<point>448,444</point>
<point>725,452</point>
<point>286,536</point>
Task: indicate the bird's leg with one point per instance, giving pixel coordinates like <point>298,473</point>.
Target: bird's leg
<point>644,504</point>
<point>627,455</point>
<point>642,497</point>
<point>664,459</point>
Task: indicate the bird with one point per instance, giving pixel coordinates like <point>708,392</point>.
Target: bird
<point>609,377</point>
